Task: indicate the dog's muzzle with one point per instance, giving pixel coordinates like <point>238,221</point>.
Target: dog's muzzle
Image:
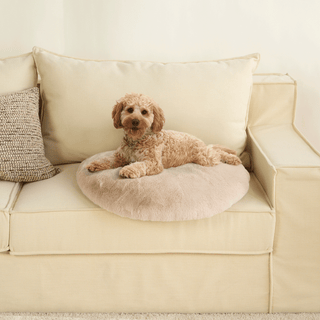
<point>135,122</point>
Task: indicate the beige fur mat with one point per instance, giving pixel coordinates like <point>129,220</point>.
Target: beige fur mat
<point>186,192</point>
<point>159,316</point>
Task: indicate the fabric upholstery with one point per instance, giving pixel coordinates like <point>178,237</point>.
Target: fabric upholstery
<point>206,99</point>
<point>17,73</point>
<point>285,279</point>
<point>54,217</point>
<point>22,156</point>
<point>134,283</point>
<point>5,192</point>
<point>8,193</point>
<point>4,231</point>
<point>288,168</point>
<point>294,191</point>
<point>273,100</point>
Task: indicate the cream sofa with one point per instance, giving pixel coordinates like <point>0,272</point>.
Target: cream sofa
<point>62,253</point>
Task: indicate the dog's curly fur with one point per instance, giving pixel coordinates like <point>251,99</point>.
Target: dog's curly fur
<point>146,149</point>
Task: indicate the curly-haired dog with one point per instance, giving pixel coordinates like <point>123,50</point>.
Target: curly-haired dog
<point>146,149</point>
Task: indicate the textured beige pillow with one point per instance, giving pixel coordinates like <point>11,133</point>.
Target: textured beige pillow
<point>21,150</point>
<point>206,99</point>
<point>17,73</point>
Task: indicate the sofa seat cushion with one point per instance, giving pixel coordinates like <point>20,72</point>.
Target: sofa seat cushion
<point>54,217</point>
<point>8,191</point>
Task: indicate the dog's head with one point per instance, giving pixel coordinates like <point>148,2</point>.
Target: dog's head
<point>135,113</point>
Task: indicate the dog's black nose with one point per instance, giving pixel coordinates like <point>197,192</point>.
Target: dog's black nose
<point>135,122</point>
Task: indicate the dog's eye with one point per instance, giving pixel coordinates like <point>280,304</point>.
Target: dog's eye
<point>130,110</point>
<point>144,112</point>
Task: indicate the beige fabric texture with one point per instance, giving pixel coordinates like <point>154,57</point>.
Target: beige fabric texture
<point>294,189</point>
<point>54,217</point>
<point>8,192</point>
<point>186,192</point>
<point>17,73</point>
<point>206,99</point>
<point>288,168</point>
<point>4,231</point>
<point>285,279</point>
<point>158,316</point>
<point>22,156</point>
<point>134,283</point>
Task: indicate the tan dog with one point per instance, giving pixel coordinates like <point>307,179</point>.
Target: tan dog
<point>146,149</point>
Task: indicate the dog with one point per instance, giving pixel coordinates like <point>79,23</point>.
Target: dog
<point>147,149</point>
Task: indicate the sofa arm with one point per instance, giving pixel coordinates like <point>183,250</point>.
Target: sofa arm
<point>288,168</point>
<point>278,147</point>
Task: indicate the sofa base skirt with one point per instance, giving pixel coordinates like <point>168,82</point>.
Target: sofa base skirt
<point>134,283</point>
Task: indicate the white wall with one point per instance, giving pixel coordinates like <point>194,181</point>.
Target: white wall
<point>285,33</point>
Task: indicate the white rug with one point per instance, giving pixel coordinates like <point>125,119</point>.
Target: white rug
<point>159,316</point>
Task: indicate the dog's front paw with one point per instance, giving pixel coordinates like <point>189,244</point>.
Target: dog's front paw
<point>97,166</point>
<point>132,171</point>
<point>129,173</point>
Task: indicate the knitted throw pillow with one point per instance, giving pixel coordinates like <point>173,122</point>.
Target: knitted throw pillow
<point>22,157</point>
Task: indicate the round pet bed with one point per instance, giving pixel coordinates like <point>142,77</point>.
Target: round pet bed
<point>187,192</point>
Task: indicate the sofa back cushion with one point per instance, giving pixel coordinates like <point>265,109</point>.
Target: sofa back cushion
<point>17,73</point>
<point>207,99</point>
<point>53,216</point>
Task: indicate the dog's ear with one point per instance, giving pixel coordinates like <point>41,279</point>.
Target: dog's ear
<point>116,113</point>
<point>158,120</point>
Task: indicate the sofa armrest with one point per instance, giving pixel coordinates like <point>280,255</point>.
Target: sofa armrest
<point>275,147</point>
<point>288,168</point>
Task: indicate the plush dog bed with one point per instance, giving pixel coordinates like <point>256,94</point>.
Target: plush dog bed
<point>187,192</point>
